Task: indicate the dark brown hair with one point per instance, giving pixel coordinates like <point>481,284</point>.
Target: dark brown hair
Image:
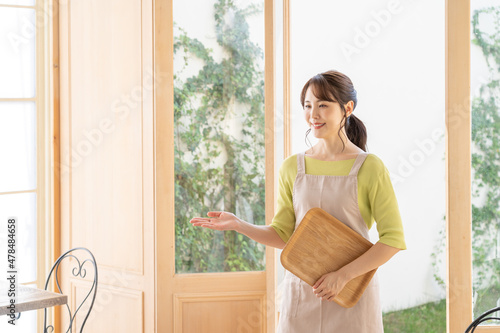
<point>333,86</point>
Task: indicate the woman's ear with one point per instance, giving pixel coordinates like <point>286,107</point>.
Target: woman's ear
<point>348,108</point>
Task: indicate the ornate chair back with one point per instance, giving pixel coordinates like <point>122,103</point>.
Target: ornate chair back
<point>86,261</point>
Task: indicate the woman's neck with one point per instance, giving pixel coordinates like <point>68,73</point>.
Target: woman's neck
<point>332,151</point>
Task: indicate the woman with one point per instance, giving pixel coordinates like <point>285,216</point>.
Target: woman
<point>347,182</point>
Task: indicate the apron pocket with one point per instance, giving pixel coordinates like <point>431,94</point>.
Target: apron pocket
<point>290,296</point>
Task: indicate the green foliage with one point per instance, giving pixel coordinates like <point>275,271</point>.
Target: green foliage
<point>207,106</point>
<point>485,161</point>
<point>437,255</point>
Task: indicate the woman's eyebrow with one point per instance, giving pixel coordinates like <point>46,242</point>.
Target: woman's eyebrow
<point>319,101</point>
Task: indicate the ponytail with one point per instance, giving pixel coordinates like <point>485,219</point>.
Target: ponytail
<point>356,131</point>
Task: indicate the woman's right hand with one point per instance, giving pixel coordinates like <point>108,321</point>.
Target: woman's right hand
<point>217,221</point>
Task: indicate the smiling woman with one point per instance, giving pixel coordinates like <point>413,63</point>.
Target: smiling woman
<point>312,309</point>
<point>359,193</point>
<point>330,108</point>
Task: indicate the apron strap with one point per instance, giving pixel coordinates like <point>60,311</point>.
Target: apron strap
<point>301,168</point>
<point>357,163</point>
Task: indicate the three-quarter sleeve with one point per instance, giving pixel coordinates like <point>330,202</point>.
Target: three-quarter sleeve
<point>385,211</point>
<point>284,218</point>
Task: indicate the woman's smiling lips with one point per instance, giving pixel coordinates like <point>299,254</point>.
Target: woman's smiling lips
<point>317,125</point>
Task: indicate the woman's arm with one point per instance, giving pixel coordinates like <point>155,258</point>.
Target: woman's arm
<point>263,234</point>
<point>330,284</point>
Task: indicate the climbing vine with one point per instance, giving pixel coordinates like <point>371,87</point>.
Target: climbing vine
<point>485,161</point>
<point>219,143</point>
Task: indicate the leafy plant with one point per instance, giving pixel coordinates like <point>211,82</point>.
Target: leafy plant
<point>218,167</point>
<point>485,160</point>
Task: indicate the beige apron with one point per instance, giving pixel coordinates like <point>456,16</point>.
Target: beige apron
<point>301,310</point>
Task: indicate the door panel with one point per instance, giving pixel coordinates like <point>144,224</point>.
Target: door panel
<point>219,312</point>
<point>107,156</point>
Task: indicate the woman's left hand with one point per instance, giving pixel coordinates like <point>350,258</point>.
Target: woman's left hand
<point>329,285</point>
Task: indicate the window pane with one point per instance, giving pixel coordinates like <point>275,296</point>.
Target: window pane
<point>18,2</point>
<point>17,59</point>
<point>219,131</point>
<point>23,207</point>
<point>17,146</point>
<point>485,150</point>
<point>393,52</point>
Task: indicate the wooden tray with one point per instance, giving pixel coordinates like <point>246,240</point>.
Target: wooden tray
<point>322,244</point>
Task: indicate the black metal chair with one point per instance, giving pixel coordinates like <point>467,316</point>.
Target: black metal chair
<point>80,271</point>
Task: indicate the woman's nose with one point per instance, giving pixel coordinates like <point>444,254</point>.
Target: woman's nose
<point>314,112</point>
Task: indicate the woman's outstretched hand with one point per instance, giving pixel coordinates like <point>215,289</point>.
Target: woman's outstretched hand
<point>217,221</point>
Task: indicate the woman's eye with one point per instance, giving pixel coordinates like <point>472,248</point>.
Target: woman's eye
<point>322,106</point>
<point>307,106</point>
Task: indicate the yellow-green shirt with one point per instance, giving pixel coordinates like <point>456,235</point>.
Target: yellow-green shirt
<point>376,197</point>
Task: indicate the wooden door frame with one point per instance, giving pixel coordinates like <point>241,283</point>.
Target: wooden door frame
<point>166,281</point>
<point>458,159</point>
<point>55,250</point>
<point>270,145</point>
<point>163,99</point>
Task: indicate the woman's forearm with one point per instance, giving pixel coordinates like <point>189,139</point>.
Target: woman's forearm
<point>376,256</point>
<point>223,221</point>
<point>330,284</point>
<point>263,234</point>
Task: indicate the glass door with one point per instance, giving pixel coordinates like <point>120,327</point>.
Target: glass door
<point>223,161</point>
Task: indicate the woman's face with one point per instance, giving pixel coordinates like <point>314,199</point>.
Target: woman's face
<point>323,117</point>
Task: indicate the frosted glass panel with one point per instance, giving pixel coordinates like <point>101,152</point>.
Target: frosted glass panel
<point>17,146</point>
<point>23,207</point>
<point>17,58</point>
